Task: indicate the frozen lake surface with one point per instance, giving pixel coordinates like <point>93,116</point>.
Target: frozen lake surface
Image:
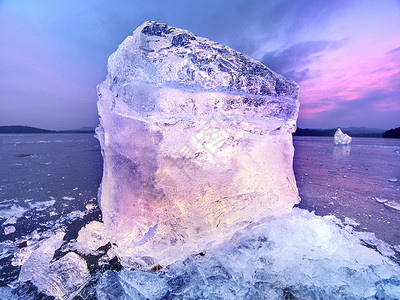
<point>351,181</point>
<point>48,185</point>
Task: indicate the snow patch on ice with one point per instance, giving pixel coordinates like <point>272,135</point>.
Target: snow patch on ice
<point>42,205</point>
<point>12,214</point>
<point>75,215</point>
<point>9,230</point>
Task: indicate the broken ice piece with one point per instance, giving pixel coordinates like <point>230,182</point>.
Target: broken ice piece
<point>341,138</point>
<point>91,237</point>
<point>9,230</point>
<point>196,140</point>
<point>351,222</point>
<point>35,264</point>
<point>393,206</point>
<point>381,200</point>
<point>64,277</point>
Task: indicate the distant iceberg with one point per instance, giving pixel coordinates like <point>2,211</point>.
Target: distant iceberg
<point>341,138</point>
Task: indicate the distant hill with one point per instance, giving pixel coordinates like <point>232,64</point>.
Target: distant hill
<point>392,133</point>
<point>352,131</point>
<point>364,130</point>
<point>314,132</point>
<point>23,129</point>
<point>28,129</point>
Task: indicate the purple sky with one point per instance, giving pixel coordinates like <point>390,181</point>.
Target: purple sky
<point>344,54</point>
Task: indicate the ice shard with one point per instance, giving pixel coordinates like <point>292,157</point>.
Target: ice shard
<point>341,138</point>
<point>196,140</point>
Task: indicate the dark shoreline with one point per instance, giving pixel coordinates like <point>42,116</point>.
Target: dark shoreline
<point>27,129</point>
<point>392,133</point>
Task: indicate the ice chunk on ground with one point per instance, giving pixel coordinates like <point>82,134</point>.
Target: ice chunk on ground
<point>76,214</point>
<point>9,230</point>
<point>58,279</point>
<point>296,256</point>
<point>11,220</point>
<point>42,205</point>
<point>90,207</point>
<point>393,180</point>
<point>6,293</point>
<point>393,206</point>
<point>91,237</point>
<point>7,249</point>
<point>351,222</point>
<point>34,266</point>
<point>110,287</point>
<point>341,138</point>
<point>149,285</point>
<point>12,214</point>
<point>64,277</point>
<point>196,140</point>
<point>381,200</point>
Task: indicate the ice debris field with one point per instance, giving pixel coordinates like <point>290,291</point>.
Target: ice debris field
<point>198,190</point>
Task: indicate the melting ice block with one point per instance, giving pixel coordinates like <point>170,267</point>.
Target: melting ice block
<point>341,138</point>
<point>196,140</point>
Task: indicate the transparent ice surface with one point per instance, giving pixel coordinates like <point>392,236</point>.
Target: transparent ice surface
<point>295,256</point>
<point>40,258</point>
<point>60,278</point>
<point>196,141</point>
<point>64,277</point>
<point>367,163</point>
<point>351,183</point>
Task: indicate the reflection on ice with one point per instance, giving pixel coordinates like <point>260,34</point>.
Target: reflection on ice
<point>341,151</point>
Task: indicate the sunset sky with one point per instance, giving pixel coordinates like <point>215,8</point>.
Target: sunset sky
<point>345,55</point>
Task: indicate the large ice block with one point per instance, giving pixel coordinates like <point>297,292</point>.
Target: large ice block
<point>196,140</point>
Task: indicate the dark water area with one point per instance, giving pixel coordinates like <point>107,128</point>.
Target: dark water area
<point>49,182</point>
